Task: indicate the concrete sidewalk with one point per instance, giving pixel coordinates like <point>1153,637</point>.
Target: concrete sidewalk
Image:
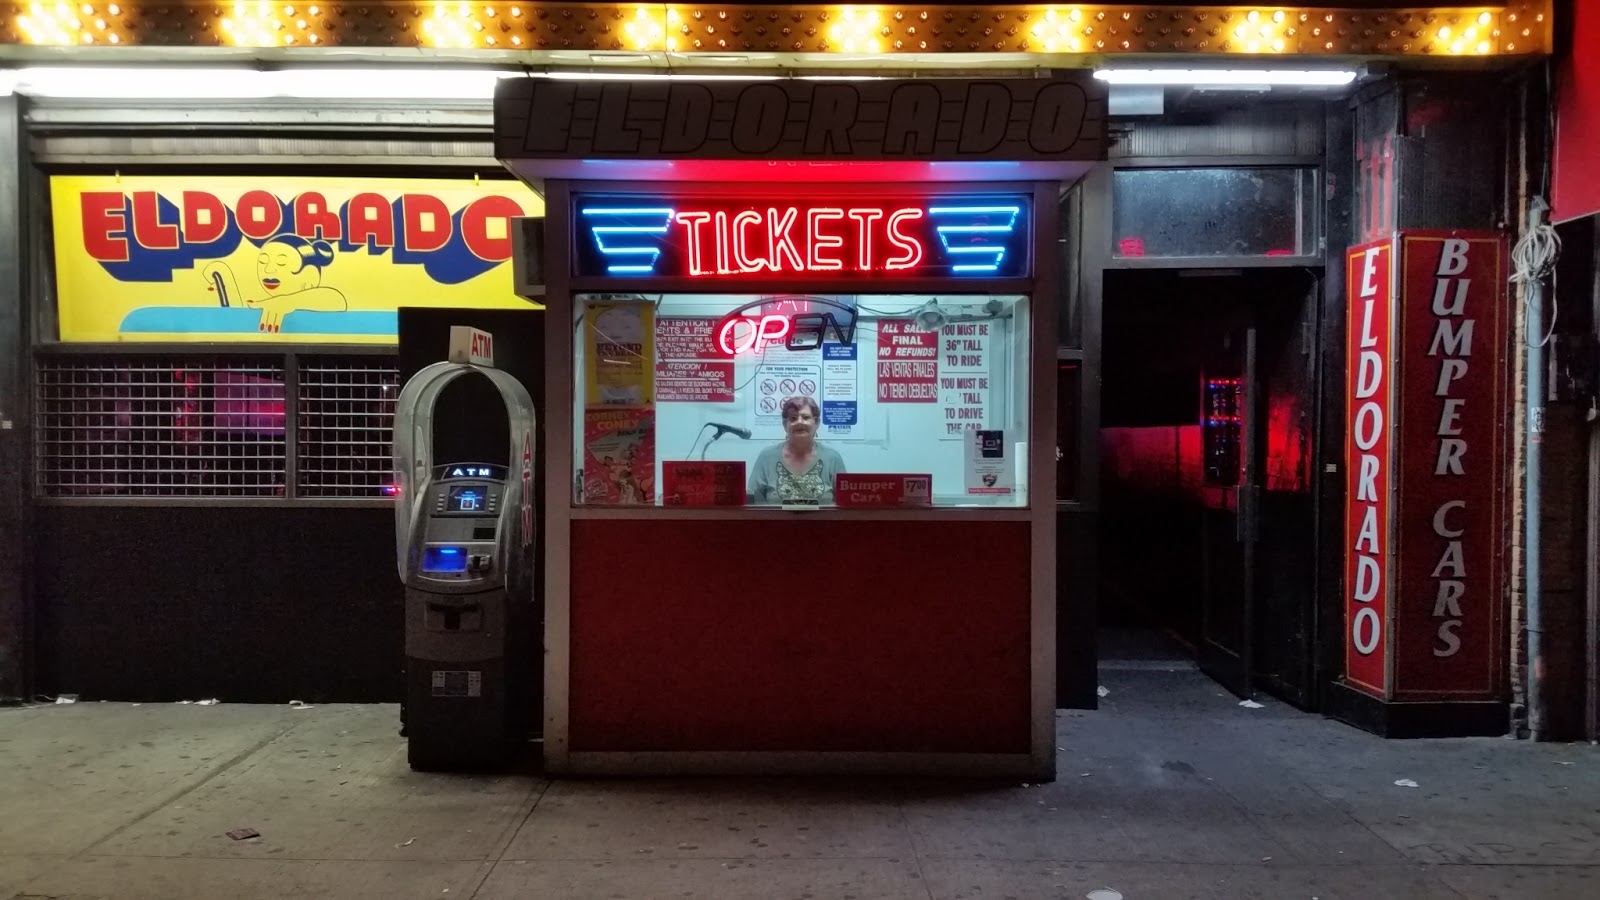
<point>1172,790</point>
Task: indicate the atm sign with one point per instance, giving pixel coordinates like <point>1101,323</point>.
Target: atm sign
<point>469,345</point>
<point>482,350</point>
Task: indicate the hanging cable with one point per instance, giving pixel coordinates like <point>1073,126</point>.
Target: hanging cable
<point>1533,258</point>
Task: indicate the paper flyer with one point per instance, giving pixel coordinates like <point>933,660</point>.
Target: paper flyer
<point>840,408</point>
<point>964,390</point>
<point>908,362</point>
<point>780,375</point>
<point>688,367</point>
<point>619,354</point>
<point>619,456</point>
<point>989,465</point>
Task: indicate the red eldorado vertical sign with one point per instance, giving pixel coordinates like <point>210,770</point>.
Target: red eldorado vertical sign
<point>1369,380</point>
<point>1451,453</point>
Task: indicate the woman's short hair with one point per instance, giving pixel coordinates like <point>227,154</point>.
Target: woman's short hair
<point>315,254</point>
<point>791,408</point>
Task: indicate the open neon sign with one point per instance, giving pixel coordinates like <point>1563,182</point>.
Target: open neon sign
<point>868,237</point>
<point>755,326</point>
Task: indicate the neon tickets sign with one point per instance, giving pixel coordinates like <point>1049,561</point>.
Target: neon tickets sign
<point>880,237</point>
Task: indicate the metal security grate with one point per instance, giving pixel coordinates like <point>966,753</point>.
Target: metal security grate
<point>346,426</point>
<point>156,426</point>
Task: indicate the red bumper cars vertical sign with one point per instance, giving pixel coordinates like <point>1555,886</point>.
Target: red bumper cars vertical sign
<point>1369,380</point>
<point>1448,629</point>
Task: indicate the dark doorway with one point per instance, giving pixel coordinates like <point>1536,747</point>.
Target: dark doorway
<point>1207,404</point>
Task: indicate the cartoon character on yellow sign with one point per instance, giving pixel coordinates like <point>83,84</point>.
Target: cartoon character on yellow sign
<point>289,270</point>
<point>252,258</point>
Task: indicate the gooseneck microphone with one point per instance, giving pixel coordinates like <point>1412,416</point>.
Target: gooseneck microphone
<point>719,430</point>
<point>729,429</point>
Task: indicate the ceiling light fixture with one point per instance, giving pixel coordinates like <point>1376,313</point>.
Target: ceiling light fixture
<point>220,83</point>
<point>574,75</point>
<point>1244,78</point>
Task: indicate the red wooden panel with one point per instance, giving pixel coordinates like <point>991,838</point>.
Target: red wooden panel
<point>800,634</point>
<point>1575,189</point>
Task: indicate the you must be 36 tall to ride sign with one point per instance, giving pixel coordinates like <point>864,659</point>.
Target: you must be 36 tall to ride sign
<point>1425,481</point>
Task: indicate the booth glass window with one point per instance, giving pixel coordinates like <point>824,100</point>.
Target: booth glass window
<point>797,401</point>
<point>1215,212</point>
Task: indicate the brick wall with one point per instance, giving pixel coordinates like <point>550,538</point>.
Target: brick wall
<point>1517,570</point>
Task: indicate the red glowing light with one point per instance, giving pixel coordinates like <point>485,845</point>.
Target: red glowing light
<point>743,334</point>
<point>797,324</point>
<point>864,219</point>
<point>911,247</point>
<point>778,239</point>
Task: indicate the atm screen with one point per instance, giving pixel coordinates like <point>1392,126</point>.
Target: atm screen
<point>444,559</point>
<point>467,498</point>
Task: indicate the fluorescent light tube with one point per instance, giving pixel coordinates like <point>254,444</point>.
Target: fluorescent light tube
<point>566,75</point>
<point>218,83</point>
<point>1229,77</point>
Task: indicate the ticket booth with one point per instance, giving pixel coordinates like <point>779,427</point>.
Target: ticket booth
<point>801,419</point>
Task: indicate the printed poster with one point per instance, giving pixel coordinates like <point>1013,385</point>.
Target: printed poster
<point>829,374</point>
<point>686,337</point>
<point>689,367</point>
<point>908,362</point>
<point>991,470</point>
<point>619,368</point>
<point>779,374</point>
<point>276,259</point>
<point>840,408</point>
<point>964,391</point>
<point>619,456</point>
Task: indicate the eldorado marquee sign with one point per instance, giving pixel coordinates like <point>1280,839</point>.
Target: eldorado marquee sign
<point>1425,445</point>
<point>236,258</point>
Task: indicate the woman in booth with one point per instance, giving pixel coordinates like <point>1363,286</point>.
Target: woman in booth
<point>799,470</point>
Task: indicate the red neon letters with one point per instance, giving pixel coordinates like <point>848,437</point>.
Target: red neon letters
<point>787,239</point>
<point>742,334</point>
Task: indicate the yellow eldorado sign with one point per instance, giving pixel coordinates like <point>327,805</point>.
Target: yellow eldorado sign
<point>277,259</point>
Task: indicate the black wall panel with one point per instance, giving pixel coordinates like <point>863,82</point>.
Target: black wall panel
<point>244,604</point>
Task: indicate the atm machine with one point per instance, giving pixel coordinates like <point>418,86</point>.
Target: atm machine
<point>464,543</point>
